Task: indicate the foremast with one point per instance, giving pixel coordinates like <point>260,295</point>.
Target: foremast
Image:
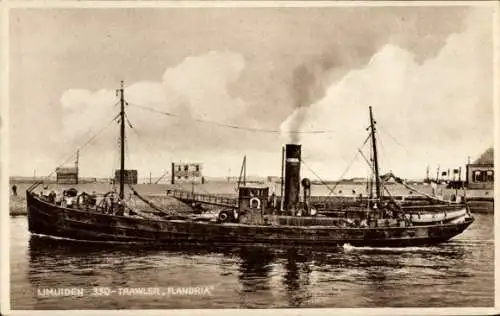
<point>375,157</point>
<point>122,142</point>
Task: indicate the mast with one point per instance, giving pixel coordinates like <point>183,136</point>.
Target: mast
<point>375,158</point>
<point>243,173</point>
<point>245,170</point>
<point>77,158</point>
<point>282,177</point>
<point>76,164</point>
<point>122,141</point>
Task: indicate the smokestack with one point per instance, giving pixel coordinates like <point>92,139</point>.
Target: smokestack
<point>292,176</point>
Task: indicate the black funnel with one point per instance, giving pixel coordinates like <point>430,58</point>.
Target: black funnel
<point>292,176</point>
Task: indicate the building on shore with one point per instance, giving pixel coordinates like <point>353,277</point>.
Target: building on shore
<point>187,173</point>
<point>67,175</point>
<point>130,176</point>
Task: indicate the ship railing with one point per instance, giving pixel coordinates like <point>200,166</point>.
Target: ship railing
<point>187,196</point>
<point>432,208</point>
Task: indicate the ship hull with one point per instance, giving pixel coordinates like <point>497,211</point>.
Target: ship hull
<point>56,221</point>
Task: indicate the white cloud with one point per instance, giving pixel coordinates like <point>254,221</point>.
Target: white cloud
<point>197,88</point>
<point>203,81</point>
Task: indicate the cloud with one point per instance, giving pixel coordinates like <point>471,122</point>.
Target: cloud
<point>425,105</point>
<point>195,89</point>
<point>81,108</point>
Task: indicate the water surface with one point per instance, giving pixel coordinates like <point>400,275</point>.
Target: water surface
<point>458,273</point>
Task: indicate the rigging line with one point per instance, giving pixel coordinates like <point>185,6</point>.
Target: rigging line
<point>370,172</point>
<point>85,144</point>
<point>34,185</point>
<point>371,167</point>
<point>398,206</point>
<point>250,129</point>
<point>148,145</point>
<point>366,139</point>
<point>384,153</point>
<point>128,122</point>
<point>346,170</point>
<point>366,159</point>
<point>85,136</point>
<point>161,177</point>
<point>383,182</point>
<point>351,163</point>
<point>322,182</point>
<point>134,131</point>
<point>116,162</point>
<point>127,155</point>
<point>142,140</point>
<point>393,138</point>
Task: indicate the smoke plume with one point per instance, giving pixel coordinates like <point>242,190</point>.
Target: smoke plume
<point>309,82</point>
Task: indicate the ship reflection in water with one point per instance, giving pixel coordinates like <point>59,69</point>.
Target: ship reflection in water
<point>455,274</point>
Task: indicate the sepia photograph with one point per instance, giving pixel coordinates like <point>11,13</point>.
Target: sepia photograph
<point>250,155</point>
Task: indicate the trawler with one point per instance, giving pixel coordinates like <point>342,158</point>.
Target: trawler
<point>255,219</point>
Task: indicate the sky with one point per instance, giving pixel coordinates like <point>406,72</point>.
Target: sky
<point>425,71</point>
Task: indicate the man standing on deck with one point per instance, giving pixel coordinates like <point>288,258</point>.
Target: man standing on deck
<point>93,199</point>
<point>14,189</point>
<point>44,191</point>
<point>434,188</point>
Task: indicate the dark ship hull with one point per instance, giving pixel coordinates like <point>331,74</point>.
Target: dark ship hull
<point>86,225</point>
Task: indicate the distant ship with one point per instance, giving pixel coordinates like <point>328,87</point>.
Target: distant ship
<point>257,219</point>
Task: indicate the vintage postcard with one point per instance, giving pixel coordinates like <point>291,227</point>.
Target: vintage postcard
<point>214,157</point>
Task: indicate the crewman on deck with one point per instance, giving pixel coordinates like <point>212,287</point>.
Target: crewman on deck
<point>272,200</point>
<point>93,199</point>
<point>434,188</point>
<point>58,198</point>
<point>68,201</point>
<point>52,197</point>
<point>14,189</point>
<point>363,223</point>
<point>44,193</point>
